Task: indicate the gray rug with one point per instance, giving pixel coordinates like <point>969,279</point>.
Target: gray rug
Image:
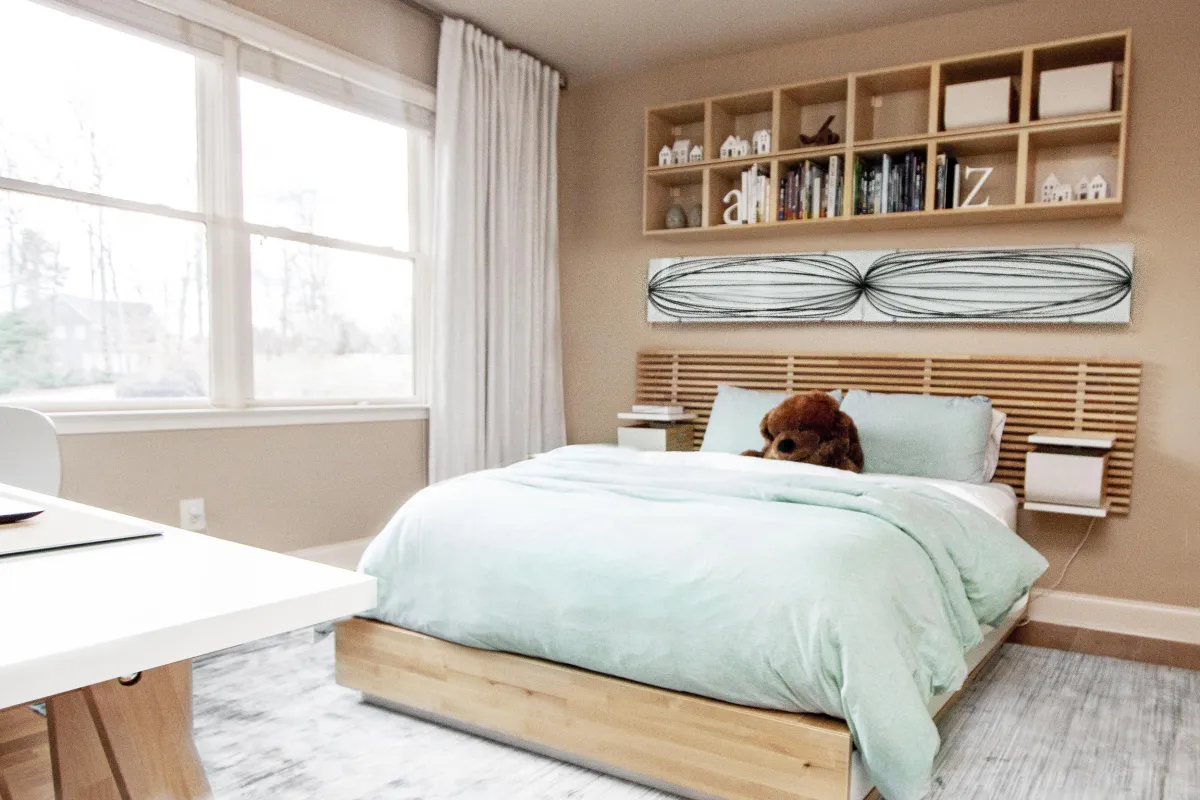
<point>271,723</point>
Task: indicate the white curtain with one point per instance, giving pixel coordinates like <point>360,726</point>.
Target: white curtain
<point>496,393</point>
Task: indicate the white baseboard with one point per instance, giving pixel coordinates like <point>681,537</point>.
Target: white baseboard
<point>1150,620</point>
<point>339,554</point>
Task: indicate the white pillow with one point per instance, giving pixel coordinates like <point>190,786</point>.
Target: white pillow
<point>991,456</point>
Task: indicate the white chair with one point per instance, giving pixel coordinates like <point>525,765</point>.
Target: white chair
<point>29,456</point>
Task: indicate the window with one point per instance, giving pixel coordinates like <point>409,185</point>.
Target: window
<point>187,220</point>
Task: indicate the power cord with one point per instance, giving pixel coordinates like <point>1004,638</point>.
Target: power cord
<point>1035,593</point>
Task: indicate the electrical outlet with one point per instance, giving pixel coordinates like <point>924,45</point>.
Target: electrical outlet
<point>191,515</point>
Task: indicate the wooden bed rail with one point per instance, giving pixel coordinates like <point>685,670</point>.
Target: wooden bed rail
<point>1037,393</point>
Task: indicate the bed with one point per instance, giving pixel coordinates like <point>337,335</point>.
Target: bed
<point>713,625</point>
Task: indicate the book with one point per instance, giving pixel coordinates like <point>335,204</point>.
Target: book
<point>653,409</point>
<point>956,190</point>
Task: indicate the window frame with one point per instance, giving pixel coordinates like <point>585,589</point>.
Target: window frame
<point>231,401</point>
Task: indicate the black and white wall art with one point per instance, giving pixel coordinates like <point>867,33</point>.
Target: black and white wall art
<point>1071,284</point>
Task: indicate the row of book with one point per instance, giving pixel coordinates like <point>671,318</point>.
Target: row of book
<point>756,195</point>
<point>890,183</point>
<point>886,184</point>
<point>811,191</point>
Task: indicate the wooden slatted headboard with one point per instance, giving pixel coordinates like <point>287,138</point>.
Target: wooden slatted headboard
<point>1095,394</point>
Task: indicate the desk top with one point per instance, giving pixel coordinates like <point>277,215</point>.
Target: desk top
<point>71,618</point>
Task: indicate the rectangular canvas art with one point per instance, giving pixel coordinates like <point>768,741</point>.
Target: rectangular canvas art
<point>1070,284</point>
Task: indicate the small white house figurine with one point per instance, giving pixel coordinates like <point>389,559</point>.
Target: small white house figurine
<point>762,142</point>
<point>729,147</point>
<point>1081,188</point>
<point>696,154</point>
<point>1054,191</point>
<point>1097,188</point>
<point>743,147</point>
<point>1050,188</point>
<point>664,156</point>
<point>679,151</point>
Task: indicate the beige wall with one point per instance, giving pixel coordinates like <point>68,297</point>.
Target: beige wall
<point>385,32</point>
<point>288,487</point>
<point>284,488</point>
<point>1154,554</point>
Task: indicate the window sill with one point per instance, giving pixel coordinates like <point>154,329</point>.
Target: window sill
<point>70,423</point>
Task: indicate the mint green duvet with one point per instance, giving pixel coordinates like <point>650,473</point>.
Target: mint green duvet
<point>765,584</point>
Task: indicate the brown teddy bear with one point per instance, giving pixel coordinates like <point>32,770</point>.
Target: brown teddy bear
<point>812,429</point>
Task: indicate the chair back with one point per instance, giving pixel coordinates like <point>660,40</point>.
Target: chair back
<point>29,455</point>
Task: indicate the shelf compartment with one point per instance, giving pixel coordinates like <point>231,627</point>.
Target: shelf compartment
<point>1082,52</point>
<point>740,115</point>
<point>803,109</point>
<point>1000,152</point>
<point>665,125</point>
<point>1005,64</point>
<point>683,185</point>
<point>784,198</point>
<point>1073,153</point>
<point>721,179</point>
<point>864,161</point>
<point>892,104</point>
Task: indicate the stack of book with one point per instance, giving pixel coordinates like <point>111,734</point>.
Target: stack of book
<point>756,194</point>
<point>811,191</point>
<point>890,183</point>
<point>948,179</point>
<point>657,413</point>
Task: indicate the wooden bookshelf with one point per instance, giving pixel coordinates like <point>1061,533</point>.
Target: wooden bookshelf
<point>895,110</point>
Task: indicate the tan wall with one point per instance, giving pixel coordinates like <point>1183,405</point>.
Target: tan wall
<point>284,488</point>
<point>289,487</point>
<point>382,31</point>
<point>1152,555</point>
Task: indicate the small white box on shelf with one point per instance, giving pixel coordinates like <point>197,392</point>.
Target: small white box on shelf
<point>979,103</point>
<point>1076,90</point>
<point>1067,472</point>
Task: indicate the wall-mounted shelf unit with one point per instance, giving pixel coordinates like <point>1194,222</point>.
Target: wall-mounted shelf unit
<point>896,111</point>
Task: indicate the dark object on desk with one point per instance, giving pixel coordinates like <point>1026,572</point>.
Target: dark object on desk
<point>11,511</point>
<point>824,135</point>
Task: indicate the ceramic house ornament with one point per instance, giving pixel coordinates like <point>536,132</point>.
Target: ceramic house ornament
<point>743,147</point>
<point>1050,188</point>
<point>1063,194</point>
<point>1097,188</point>
<point>664,156</point>
<point>1081,188</point>
<point>729,147</point>
<point>696,154</point>
<point>762,142</point>
<point>679,151</point>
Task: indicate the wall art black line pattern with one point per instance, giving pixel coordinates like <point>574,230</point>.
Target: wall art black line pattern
<point>1084,284</point>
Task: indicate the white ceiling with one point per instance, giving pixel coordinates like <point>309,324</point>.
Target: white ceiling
<point>592,39</point>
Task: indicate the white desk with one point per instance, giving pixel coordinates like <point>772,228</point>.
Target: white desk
<point>72,621</point>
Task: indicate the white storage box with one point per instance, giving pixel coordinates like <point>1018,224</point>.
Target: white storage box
<point>1076,90</point>
<point>1068,470</point>
<point>979,103</point>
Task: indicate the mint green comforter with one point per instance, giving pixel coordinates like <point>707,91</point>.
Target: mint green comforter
<point>785,587</point>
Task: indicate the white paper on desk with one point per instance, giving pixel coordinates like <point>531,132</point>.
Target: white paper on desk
<point>58,528</point>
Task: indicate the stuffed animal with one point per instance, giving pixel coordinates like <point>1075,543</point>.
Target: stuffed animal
<point>811,428</point>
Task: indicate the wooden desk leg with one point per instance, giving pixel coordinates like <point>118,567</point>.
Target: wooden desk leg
<point>114,742</point>
<point>24,756</point>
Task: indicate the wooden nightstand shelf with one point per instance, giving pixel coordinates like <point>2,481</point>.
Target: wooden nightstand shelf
<point>645,432</point>
<point>1067,473</point>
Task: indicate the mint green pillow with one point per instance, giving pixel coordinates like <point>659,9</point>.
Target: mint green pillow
<point>921,435</point>
<point>736,415</point>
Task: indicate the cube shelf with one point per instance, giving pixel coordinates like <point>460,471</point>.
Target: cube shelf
<point>897,110</point>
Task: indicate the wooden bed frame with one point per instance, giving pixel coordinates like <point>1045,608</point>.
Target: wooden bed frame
<point>695,746</point>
